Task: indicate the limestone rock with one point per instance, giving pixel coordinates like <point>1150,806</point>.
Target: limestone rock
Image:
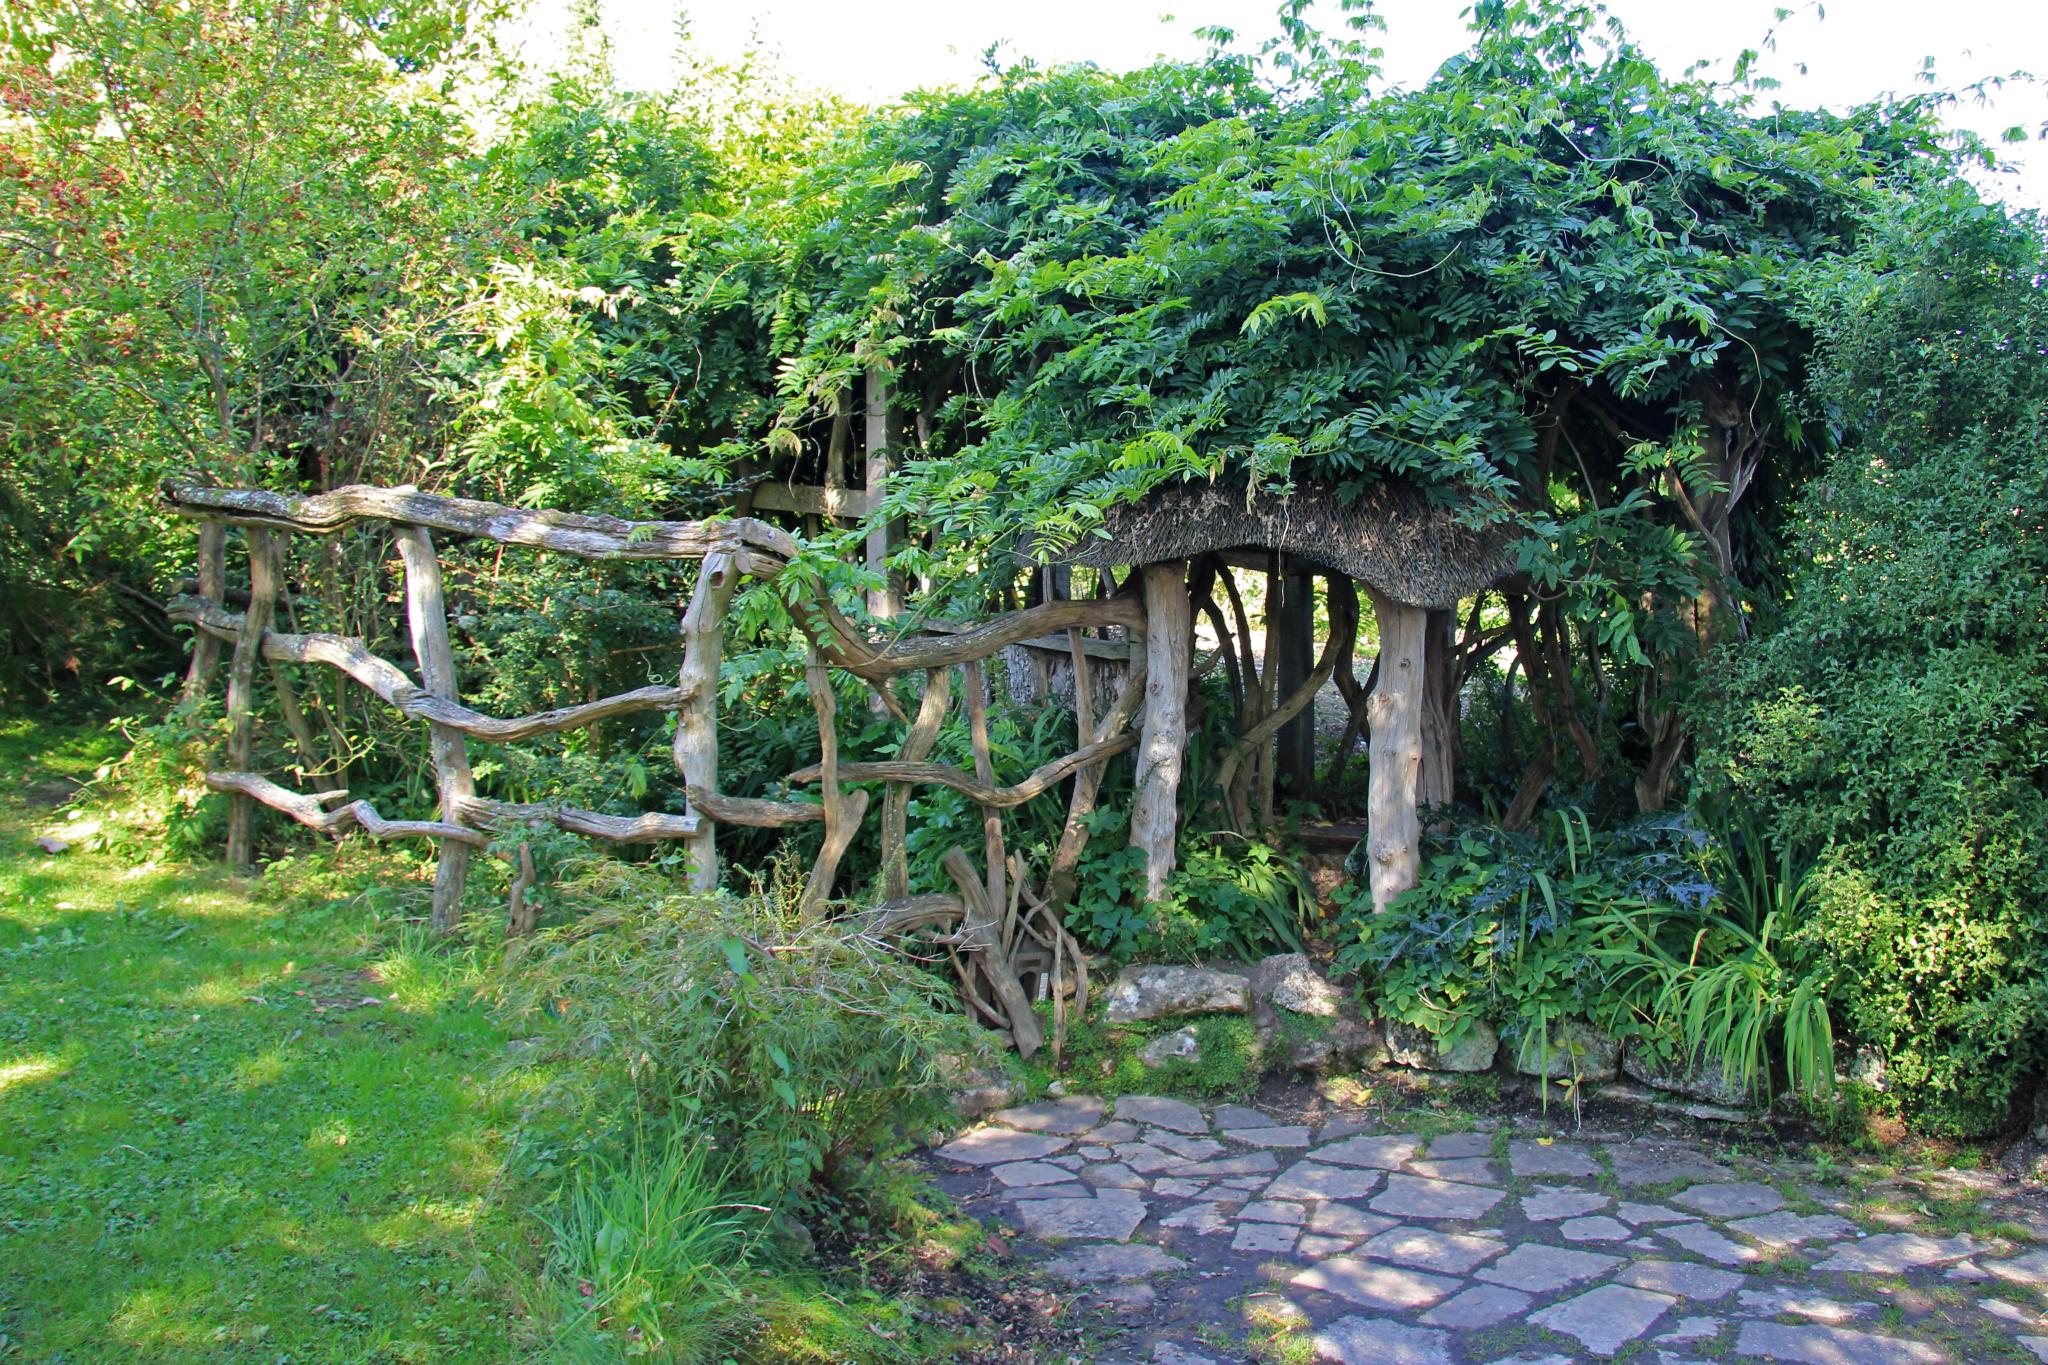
<point>1145,991</point>
<point>1289,982</point>
<point>1704,1079</point>
<point>1598,1059</point>
<point>1181,1045</point>
<point>1414,1047</point>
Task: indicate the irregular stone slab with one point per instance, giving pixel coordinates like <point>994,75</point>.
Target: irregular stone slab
<point>1737,1200</point>
<point>1071,1190</point>
<point>1808,1345</point>
<point>1409,1196</point>
<point>1144,1158</point>
<point>1784,1229</point>
<point>1703,1080</point>
<point>1292,1135</point>
<point>1778,1301</point>
<point>1640,1215</point>
<point>1185,1147</point>
<point>1550,1203</point>
<point>1369,1284</point>
<point>1344,1126</point>
<point>1109,1134</point>
<point>1471,1170</point>
<point>1347,1220</point>
<point>1243,1116</point>
<point>1172,1353</point>
<point>1273,1211</point>
<point>993,1146</point>
<point>1205,1219</point>
<point>2038,1345</point>
<point>1598,1059</point>
<point>1101,1218</point>
<point>1181,1045</point>
<point>1031,1173</point>
<point>1254,1163</point>
<point>1605,1319</point>
<point>1151,991</point>
<point>1702,1240</point>
<point>1375,1341</point>
<point>1264,1238</point>
<point>1101,1264</point>
<point>1069,1116</point>
<point>1651,1163</point>
<point>1317,1247</point>
<point>1130,1297</point>
<point>1684,1279</point>
<point>1596,1229</point>
<point>1289,982</point>
<point>1453,1146</point>
<point>1537,1269</point>
<point>1176,1115</point>
<point>1381,1153</point>
<point>1452,1253</point>
<point>2011,1312</point>
<point>1480,1306</point>
<point>1114,1174</point>
<point>1081,1156</point>
<point>1689,1330</point>
<point>1528,1158</point>
<point>2032,1268</point>
<point>1892,1252</point>
<point>1411,1046</point>
<point>1310,1180</point>
<point>1244,1182</point>
<point>1178,1189</point>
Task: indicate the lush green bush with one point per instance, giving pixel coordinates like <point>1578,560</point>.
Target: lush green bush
<point>802,1053</point>
<point>1895,722</point>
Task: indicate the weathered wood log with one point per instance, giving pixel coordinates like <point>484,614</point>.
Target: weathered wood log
<point>842,813</point>
<point>521,914</point>
<point>571,533</point>
<point>751,811</point>
<point>311,811</point>
<point>241,696</point>
<point>1393,829</point>
<point>1342,636</point>
<point>389,681</point>
<point>1169,642</point>
<point>1040,781</point>
<point>426,613</point>
<point>696,742</point>
<point>844,647</point>
<point>983,934</point>
<point>1294,618</point>
<point>905,914</point>
<point>886,599</point>
<point>976,688</point>
<point>1060,875</point>
<point>917,745</point>
<point>648,828</point>
<point>213,582</point>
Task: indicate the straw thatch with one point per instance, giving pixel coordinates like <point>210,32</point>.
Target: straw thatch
<point>1390,536</point>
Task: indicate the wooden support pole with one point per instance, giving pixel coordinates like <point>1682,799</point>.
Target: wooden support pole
<point>213,583</point>
<point>1295,620</point>
<point>985,773</point>
<point>917,746</point>
<point>426,611</point>
<point>696,742</point>
<point>1393,830</point>
<point>887,599</point>
<point>241,690</point>
<point>1169,639</point>
<point>843,812</point>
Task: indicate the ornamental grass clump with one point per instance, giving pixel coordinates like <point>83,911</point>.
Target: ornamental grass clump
<point>800,1053</point>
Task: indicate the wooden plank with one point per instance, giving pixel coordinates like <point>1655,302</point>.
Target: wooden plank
<point>696,742</point>
<point>850,504</point>
<point>426,612</point>
<point>571,533</point>
<point>241,695</point>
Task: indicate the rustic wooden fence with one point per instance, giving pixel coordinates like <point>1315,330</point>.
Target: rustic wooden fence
<point>1002,934</point>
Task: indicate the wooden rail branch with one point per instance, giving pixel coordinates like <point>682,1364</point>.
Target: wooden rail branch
<point>981,793</point>
<point>570,533</point>
<point>751,811</point>
<point>844,647</point>
<point>652,827</point>
<point>390,682</point>
<point>310,811</point>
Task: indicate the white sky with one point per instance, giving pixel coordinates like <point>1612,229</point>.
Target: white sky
<point>874,50</point>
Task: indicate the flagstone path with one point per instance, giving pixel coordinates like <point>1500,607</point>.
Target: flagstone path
<point>1337,1238</point>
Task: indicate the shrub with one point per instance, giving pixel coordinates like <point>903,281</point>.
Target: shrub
<point>798,1051</point>
<point>1895,721</point>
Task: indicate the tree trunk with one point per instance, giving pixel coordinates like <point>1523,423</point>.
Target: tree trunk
<point>241,693</point>
<point>1155,810</point>
<point>1393,831</point>
<point>427,615</point>
<point>696,742</point>
<point>213,585</point>
<point>1294,617</point>
<point>1437,783</point>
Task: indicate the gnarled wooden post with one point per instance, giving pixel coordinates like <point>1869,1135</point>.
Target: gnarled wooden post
<point>1393,836</point>
<point>696,743</point>
<point>241,687</point>
<point>213,585</point>
<point>1169,643</point>
<point>426,612</point>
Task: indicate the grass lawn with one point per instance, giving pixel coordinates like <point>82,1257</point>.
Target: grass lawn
<point>237,1120</point>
